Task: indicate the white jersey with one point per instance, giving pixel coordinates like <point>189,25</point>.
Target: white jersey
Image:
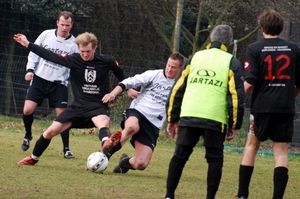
<point>45,69</point>
<point>155,89</point>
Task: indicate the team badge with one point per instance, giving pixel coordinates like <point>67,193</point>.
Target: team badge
<point>247,65</point>
<point>63,55</point>
<point>90,75</point>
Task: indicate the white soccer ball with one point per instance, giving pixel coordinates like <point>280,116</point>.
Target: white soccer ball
<point>97,162</point>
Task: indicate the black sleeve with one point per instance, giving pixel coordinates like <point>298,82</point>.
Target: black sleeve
<point>62,59</point>
<point>174,101</point>
<point>118,72</point>
<point>236,95</point>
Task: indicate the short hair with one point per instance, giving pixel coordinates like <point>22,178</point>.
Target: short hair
<point>86,38</point>
<point>66,15</point>
<point>177,56</point>
<point>222,34</point>
<point>271,22</point>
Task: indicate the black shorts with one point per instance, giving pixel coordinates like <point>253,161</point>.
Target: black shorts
<point>40,89</point>
<point>277,127</point>
<point>148,133</point>
<point>81,117</point>
<point>191,135</point>
<point>213,141</point>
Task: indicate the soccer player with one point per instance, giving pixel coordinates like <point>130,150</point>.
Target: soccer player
<point>145,116</point>
<point>90,82</point>
<point>48,79</point>
<point>206,100</point>
<point>272,73</point>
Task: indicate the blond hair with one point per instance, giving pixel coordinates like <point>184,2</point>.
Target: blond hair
<point>85,38</point>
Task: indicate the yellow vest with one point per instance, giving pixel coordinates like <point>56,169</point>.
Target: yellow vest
<point>207,86</point>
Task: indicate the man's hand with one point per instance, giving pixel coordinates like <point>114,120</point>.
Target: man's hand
<point>133,94</point>
<point>29,76</point>
<point>230,134</point>
<point>21,39</point>
<point>108,98</point>
<point>172,129</point>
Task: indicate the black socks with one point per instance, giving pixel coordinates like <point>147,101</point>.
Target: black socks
<point>174,174</point>
<point>40,146</point>
<point>28,120</point>
<point>214,175</point>
<point>65,139</point>
<point>103,132</point>
<point>245,174</point>
<point>280,180</point>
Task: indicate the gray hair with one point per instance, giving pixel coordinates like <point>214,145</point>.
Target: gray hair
<point>222,34</point>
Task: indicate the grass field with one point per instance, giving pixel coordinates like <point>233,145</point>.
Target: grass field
<point>56,177</point>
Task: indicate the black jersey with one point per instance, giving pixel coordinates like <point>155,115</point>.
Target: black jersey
<point>273,67</point>
<point>89,79</point>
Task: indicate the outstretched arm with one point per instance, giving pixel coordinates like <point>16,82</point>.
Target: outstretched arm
<point>62,59</point>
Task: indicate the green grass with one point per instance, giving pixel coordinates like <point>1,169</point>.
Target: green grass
<point>56,177</point>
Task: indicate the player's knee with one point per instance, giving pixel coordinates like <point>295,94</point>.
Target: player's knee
<point>140,164</point>
<point>214,155</point>
<point>216,159</point>
<point>183,152</point>
<point>131,129</point>
<point>27,111</point>
<point>50,133</point>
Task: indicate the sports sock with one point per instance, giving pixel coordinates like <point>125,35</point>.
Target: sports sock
<point>126,164</point>
<point>245,174</point>
<point>174,174</point>
<point>40,146</point>
<point>28,120</point>
<point>65,140</point>
<point>114,149</point>
<point>280,180</point>
<point>214,175</point>
<point>104,132</point>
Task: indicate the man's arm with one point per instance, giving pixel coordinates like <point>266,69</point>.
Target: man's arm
<point>112,95</point>
<point>61,59</point>
<point>248,88</point>
<point>235,96</point>
<point>33,59</point>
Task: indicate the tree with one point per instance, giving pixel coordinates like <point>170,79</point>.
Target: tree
<point>206,14</point>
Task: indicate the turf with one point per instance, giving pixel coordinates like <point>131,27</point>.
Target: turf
<point>56,177</point>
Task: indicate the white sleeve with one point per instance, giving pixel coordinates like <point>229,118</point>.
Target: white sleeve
<point>33,59</point>
<point>139,80</point>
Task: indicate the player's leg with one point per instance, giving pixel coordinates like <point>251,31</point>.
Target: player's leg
<point>58,99</point>
<point>29,107</point>
<point>144,136</point>
<point>107,139</point>
<point>213,142</point>
<point>65,137</point>
<point>34,97</point>
<point>282,134</point>
<point>142,157</point>
<point>118,139</point>
<point>43,142</point>
<point>130,126</point>
<point>186,140</point>
<point>280,177</point>
<point>248,160</point>
<point>139,161</point>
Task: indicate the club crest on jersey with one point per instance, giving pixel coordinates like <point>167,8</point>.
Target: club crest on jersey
<point>90,75</point>
<point>247,65</point>
<point>63,55</point>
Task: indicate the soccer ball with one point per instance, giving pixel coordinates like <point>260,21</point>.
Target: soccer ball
<point>97,162</point>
